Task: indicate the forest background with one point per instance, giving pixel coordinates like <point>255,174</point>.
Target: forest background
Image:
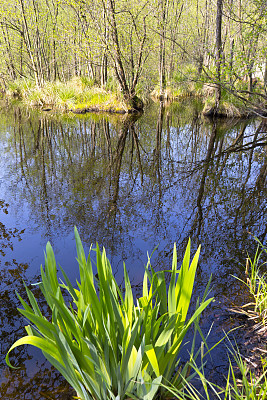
<point>201,47</point>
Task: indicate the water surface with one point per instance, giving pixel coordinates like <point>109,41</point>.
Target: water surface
<point>131,185</point>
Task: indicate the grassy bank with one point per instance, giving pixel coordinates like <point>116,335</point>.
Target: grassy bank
<point>230,105</point>
<point>255,283</point>
<point>247,371</point>
<point>79,95</point>
<point>236,99</point>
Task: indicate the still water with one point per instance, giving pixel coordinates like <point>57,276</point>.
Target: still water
<point>132,185</point>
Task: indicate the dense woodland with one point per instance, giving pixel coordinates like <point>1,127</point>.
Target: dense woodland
<point>133,181</point>
<point>137,46</point>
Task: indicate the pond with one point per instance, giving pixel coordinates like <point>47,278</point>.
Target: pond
<point>132,185</point>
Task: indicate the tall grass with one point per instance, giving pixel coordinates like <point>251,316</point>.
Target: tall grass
<point>240,383</point>
<point>106,344</point>
<point>256,282</point>
<point>79,93</point>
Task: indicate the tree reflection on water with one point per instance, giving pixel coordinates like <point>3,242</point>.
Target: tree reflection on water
<point>130,185</point>
<point>40,378</point>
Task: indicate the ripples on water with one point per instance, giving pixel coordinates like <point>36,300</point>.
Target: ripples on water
<point>131,185</point>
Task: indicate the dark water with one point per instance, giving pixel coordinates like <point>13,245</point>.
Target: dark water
<point>130,185</point>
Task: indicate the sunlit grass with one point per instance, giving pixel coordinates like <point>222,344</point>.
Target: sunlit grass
<point>240,383</point>
<point>100,99</point>
<point>78,94</point>
<point>256,282</point>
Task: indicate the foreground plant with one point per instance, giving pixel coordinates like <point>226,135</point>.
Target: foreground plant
<point>256,281</point>
<point>105,345</point>
<point>240,383</point>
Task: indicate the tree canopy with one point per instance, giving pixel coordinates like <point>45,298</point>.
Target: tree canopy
<point>136,45</point>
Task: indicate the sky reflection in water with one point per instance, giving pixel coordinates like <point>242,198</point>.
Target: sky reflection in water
<point>131,186</point>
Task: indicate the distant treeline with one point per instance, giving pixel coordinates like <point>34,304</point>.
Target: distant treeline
<point>134,45</point>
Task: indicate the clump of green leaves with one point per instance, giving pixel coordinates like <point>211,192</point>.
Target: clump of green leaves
<point>106,344</point>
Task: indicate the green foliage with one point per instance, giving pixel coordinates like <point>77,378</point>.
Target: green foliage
<point>56,40</point>
<point>179,78</point>
<point>20,87</point>
<point>187,73</point>
<point>240,382</point>
<point>87,82</point>
<point>105,345</point>
<point>256,281</point>
<point>112,84</point>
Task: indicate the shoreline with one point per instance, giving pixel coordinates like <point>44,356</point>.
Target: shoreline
<point>73,96</point>
<point>77,98</point>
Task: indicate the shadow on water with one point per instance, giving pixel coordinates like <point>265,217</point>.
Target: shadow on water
<point>130,185</point>
<point>35,378</point>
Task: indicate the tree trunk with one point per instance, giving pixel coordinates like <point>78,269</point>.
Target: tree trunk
<point>162,48</point>
<point>218,53</point>
<point>11,67</point>
<point>231,61</point>
<point>265,75</point>
<point>104,69</point>
<point>119,70</point>
<point>132,102</point>
<point>28,44</point>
